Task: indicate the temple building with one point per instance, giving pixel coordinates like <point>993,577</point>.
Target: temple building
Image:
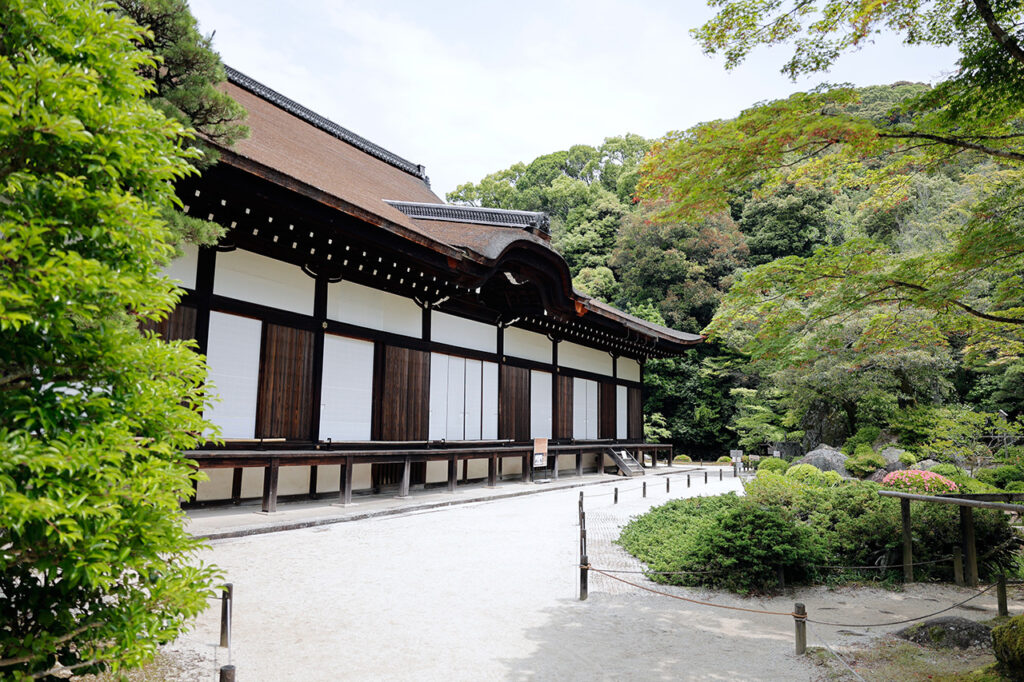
<point>361,334</point>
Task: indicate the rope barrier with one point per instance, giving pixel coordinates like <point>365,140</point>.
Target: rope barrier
<point>687,599</point>
<point>840,659</point>
<point>885,566</point>
<point>661,572</point>
<point>901,622</point>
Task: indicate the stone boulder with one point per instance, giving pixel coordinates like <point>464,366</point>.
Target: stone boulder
<point>926,464</point>
<point>948,632</point>
<point>826,458</point>
<point>891,456</point>
<point>878,475</point>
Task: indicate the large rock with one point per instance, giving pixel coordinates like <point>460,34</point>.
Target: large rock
<point>878,475</point>
<point>926,464</point>
<point>948,632</point>
<point>826,458</point>
<point>891,456</point>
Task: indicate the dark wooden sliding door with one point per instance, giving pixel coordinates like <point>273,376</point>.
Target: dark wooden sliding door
<point>514,403</point>
<point>606,410</point>
<point>180,324</point>
<point>403,407</point>
<point>563,407</point>
<point>284,406</point>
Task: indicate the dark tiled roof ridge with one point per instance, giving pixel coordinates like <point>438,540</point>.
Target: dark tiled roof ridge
<point>500,217</point>
<point>309,116</point>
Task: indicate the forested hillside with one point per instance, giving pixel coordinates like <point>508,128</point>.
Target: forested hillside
<point>791,356</point>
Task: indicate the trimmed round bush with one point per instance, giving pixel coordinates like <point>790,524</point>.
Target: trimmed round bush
<point>774,464</point>
<point>907,459</point>
<point>919,482</point>
<point>724,459</point>
<point>831,478</point>
<point>1008,645</point>
<point>1015,487</point>
<point>865,462</point>
<point>1000,477</point>
<point>683,458</point>
<point>805,473</point>
<point>948,470</point>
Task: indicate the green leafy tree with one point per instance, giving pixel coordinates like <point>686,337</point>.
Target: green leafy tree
<point>96,568</point>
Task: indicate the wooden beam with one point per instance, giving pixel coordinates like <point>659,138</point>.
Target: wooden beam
<point>962,501</point>
<point>270,486</point>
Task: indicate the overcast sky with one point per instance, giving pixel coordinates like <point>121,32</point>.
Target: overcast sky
<point>469,87</point>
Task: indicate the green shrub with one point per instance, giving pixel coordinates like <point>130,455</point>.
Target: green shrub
<point>907,459</point>
<point>948,470</point>
<point>775,464</point>
<point>866,435</point>
<point>865,462</point>
<point>724,459</point>
<point>1001,477</point>
<point>683,458</point>
<point>804,473</point>
<point>965,483</point>
<point>919,482</point>
<point>733,543</point>
<point>1015,487</point>
<point>1008,646</point>
<point>832,478</point>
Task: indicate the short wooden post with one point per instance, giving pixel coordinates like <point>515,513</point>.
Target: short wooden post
<point>687,480</point>
<point>958,565</point>
<point>312,483</point>
<point>600,463</point>
<point>1001,595</point>
<point>970,551</point>
<point>403,486</point>
<point>720,474</point>
<point>800,620</point>
<point>670,457</point>
<point>705,477</point>
<point>226,602</point>
<point>654,459</point>
<point>453,473</point>
<point>236,486</point>
<point>227,673</point>
<point>492,471</point>
<point>645,488</point>
<point>616,498</point>
<point>270,486</point>
<point>346,487</point>
<point>584,574</point>
<point>668,486</point>
<point>908,546</point>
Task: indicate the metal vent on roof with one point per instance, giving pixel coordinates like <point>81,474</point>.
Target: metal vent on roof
<point>361,143</point>
<point>527,220</point>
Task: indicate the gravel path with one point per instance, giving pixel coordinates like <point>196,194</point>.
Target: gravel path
<point>489,591</point>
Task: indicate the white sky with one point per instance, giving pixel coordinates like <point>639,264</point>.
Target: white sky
<point>469,87</point>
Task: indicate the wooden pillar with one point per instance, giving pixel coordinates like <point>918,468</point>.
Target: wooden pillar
<point>270,486</point>
<point>492,471</point>
<point>969,549</point>
<point>554,473</point>
<point>236,486</point>
<point>654,459</point>
<point>465,471</point>
<point>312,483</point>
<point>453,472</point>
<point>346,481</point>
<point>527,461</point>
<point>403,486</point>
<point>579,463</point>
<point>908,545</point>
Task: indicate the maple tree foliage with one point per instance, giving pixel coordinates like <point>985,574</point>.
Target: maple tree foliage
<point>792,308</point>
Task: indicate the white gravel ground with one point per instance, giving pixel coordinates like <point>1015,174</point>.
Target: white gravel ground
<point>489,591</point>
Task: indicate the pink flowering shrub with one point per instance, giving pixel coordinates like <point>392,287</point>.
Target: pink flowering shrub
<point>920,482</point>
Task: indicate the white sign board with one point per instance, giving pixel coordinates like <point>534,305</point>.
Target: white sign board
<point>540,453</point>
<point>736,455</point>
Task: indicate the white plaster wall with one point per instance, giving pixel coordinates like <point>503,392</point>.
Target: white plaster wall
<point>184,269</point>
<point>567,462</point>
<point>250,277</point>
<point>580,357</point>
<point>437,472</point>
<point>540,404</point>
<point>458,331</point>
<point>233,358</point>
<point>477,469</point>
<point>218,487</point>
<point>252,482</point>
<point>328,478</point>
<point>293,480</point>
<point>346,399</point>
<point>520,343</point>
<point>628,369</point>
<point>620,411</point>
<point>512,465</point>
<point>374,309</point>
<point>362,476</point>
